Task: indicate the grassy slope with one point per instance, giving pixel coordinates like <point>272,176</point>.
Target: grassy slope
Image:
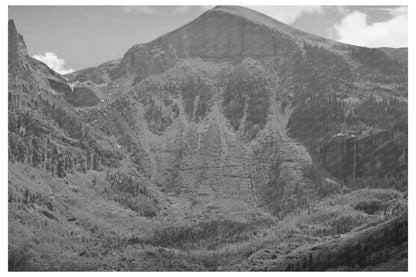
<point>70,224</point>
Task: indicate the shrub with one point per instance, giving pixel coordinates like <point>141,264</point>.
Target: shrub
<point>370,206</point>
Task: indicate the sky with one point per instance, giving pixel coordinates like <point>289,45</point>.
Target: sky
<point>69,38</point>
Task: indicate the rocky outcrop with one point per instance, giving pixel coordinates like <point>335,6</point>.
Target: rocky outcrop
<point>59,86</point>
<point>350,158</point>
<point>93,74</point>
<point>99,75</point>
<point>82,97</point>
<point>141,61</point>
<point>17,48</point>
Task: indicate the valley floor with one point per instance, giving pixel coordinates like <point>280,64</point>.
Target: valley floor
<point>73,224</point>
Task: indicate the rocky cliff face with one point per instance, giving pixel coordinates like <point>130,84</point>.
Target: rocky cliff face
<point>17,47</point>
<point>373,159</point>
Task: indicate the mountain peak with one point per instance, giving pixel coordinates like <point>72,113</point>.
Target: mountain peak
<point>224,33</point>
<point>244,12</point>
<point>16,39</point>
<point>276,26</point>
<point>12,26</point>
<point>17,46</point>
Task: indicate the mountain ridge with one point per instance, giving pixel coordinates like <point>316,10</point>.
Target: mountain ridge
<point>166,54</point>
<point>245,28</point>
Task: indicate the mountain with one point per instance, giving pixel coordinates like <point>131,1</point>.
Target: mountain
<point>223,33</point>
<point>200,149</point>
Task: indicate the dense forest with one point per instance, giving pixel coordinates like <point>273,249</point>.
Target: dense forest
<point>35,137</point>
<point>324,121</point>
<point>246,97</point>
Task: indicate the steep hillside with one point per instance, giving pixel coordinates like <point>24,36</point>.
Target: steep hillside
<point>222,34</point>
<point>204,147</point>
<point>399,54</point>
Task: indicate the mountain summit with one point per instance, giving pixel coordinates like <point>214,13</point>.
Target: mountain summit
<point>228,33</point>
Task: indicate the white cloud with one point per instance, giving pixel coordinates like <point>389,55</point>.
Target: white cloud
<point>287,14</point>
<point>354,29</point>
<point>54,62</point>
